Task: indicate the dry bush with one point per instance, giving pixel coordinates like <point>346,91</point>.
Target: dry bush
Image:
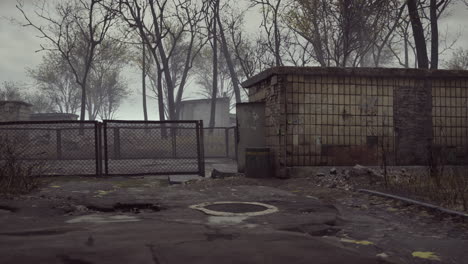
<point>449,188</point>
<point>17,171</point>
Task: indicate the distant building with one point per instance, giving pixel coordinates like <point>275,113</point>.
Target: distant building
<point>53,117</point>
<point>11,111</point>
<point>200,109</point>
<point>14,111</point>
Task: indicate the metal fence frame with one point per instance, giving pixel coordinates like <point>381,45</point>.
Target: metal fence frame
<point>101,148</point>
<point>96,144</point>
<point>228,149</point>
<point>199,142</point>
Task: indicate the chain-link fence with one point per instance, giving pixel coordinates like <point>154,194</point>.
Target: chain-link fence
<point>219,142</point>
<point>62,147</point>
<point>118,147</point>
<point>153,147</point>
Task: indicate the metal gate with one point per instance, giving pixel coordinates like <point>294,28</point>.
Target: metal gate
<point>58,147</point>
<point>153,147</point>
<point>220,142</point>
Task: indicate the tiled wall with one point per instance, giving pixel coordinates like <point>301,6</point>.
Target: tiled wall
<point>338,120</point>
<point>450,119</point>
<point>345,120</point>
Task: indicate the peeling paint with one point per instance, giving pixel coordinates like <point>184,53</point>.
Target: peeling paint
<point>359,242</point>
<point>102,219</point>
<point>425,255</point>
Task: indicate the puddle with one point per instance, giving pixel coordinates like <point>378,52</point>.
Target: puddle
<point>226,220</point>
<point>8,208</point>
<point>42,232</point>
<point>220,236</point>
<point>127,207</point>
<point>103,219</point>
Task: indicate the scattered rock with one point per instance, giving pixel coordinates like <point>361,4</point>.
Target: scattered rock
<point>320,174</point>
<point>81,209</point>
<point>362,171</point>
<point>333,171</point>
<point>216,174</point>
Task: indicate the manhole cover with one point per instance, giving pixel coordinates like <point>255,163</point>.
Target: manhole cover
<point>235,208</point>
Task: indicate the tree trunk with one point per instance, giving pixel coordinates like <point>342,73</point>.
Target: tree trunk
<point>143,83</point>
<point>83,102</point>
<point>418,34</point>
<point>434,35</point>
<point>215,69</point>
<point>230,64</point>
<point>162,116</point>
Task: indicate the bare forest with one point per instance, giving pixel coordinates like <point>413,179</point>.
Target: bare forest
<point>211,46</point>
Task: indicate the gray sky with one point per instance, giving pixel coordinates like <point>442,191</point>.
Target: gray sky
<point>18,45</point>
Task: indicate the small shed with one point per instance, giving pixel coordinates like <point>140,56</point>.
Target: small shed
<point>14,111</point>
<point>346,116</point>
<point>200,109</point>
<point>53,117</point>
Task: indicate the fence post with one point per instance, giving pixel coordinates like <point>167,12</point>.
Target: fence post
<point>99,130</point>
<point>200,148</point>
<point>59,143</point>
<point>226,138</point>
<point>173,140</point>
<point>96,146</point>
<point>106,155</point>
<point>116,143</point>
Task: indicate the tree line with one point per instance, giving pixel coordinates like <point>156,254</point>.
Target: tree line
<point>88,44</point>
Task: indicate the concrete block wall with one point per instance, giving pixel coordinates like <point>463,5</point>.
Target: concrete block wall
<point>14,111</point>
<point>330,116</point>
<point>272,93</point>
<point>200,109</point>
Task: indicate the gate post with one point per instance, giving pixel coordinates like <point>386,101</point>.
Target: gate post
<point>226,140</point>
<point>106,170</point>
<point>96,147</point>
<point>116,143</point>
<point>59,143</point>
<point>200,149</point>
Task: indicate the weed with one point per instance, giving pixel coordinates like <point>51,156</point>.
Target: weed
<point>17,169</point>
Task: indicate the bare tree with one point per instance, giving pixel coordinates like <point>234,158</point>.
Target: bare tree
<point>107,88</point>
<point>271,15</point>
<point>459,60</point>
<point>343,33</point>
<point>72,21</point>
<point>165,26</point>
<point>212,31</point>
<point>105,85</point>
<point>11,92</point>
<point>56,81</point>
<point>418,34</point>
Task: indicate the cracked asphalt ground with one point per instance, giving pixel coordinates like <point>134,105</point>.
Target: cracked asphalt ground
<point>146,220</point>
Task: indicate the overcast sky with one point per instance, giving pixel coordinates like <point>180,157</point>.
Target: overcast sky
<point>18,47</point>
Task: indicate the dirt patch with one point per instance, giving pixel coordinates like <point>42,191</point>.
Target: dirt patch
<point>8,208</point>
<point>69,260</point>
<point>127,207</point>
<point>236,208</point>
<point>42,232</point>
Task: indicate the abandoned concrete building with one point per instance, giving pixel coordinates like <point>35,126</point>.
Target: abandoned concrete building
<point>200,109</point>
<point>14,111</point>
<point>11,111</point>
<point>346,116</point>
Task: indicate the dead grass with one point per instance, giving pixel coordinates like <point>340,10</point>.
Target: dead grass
<point>17,173</point>
<point>447,187</point>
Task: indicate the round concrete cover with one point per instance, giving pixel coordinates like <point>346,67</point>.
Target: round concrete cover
<point>235,208</point>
